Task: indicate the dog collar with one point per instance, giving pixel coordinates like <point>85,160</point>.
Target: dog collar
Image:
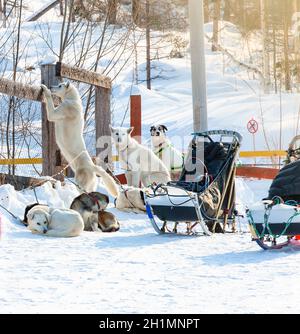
<point>176,168</point>
<point>126,148</point>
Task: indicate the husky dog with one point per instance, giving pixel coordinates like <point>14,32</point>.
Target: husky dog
<point>88,205</point>
<point>51,222</point>
<point>108,222</point>
<point>91,207</point>
<point>139,162</point>
<point>131,199</point>
<point>69,122</point>
<point>163,148</point>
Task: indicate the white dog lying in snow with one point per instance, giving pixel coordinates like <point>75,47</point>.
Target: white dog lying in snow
<point>54,222</point>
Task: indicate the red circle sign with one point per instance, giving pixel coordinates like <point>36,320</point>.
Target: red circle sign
<point>252,126</point>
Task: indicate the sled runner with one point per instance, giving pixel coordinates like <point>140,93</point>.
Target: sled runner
<point>275,222</point>
<point>202,201</point>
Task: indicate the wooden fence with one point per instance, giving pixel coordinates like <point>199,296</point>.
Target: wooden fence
<point>52,74</point>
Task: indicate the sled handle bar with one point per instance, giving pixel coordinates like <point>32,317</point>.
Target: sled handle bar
<point>237,136</point>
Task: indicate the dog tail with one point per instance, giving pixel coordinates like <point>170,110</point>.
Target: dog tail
<point>109,182</point>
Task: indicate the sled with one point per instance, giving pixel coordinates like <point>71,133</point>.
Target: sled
<point>202,201</point>
<point>275,225</point>
<point>275,222</point>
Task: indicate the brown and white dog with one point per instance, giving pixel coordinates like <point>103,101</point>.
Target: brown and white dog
<point>91,207</point>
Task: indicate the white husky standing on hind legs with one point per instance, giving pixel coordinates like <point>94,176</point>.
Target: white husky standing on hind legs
<point>69,122</point>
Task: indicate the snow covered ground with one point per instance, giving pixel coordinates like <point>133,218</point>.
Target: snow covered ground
<point>136,270</point>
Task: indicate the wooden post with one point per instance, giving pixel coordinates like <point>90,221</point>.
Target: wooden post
<point>136,116</point>
<point>52,159</point>
<point>103,121</point>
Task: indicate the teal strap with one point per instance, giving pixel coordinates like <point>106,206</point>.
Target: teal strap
<point>175,167</point>
<point>162,149</point>
<point>267,230</point>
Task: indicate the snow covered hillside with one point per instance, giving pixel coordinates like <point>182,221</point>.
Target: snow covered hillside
<point>234,96</point>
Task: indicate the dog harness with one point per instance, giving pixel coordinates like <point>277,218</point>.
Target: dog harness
<point>94,200</point>
<point>159,154</point>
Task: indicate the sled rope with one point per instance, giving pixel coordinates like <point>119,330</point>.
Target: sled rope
<point>4,208</point>
<point>120,185</point>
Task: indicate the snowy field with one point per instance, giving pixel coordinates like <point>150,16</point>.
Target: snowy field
<point>138,271</point>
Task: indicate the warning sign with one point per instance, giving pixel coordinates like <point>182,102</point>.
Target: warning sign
<point>252,126</point>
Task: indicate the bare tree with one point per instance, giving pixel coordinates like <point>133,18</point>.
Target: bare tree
<point>136,8</point>
<point>296,9</point>
<point>66,26</point>
<point>112,9</point>
<point>265,43</point>
<point>61,7</point>
<point>227,9</point>
<point>4,12</point>
<point>217,16</point>
<point>286,24</point>
<point>148,43</point>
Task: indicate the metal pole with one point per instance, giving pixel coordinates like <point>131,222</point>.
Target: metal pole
<point>197,46</point>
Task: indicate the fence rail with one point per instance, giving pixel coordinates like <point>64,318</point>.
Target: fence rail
<point>262,154</point>
<point>244,154</point>
<point>30,161</point>
<point>25,161</point>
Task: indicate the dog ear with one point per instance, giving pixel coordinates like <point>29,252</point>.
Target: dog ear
<point>129,131</point>
<point>30,215</point>
<point>68,84</point>
<point>112,129</point>
<point>142,196</point>
<point>164,128</point>
<point>48,217</point>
